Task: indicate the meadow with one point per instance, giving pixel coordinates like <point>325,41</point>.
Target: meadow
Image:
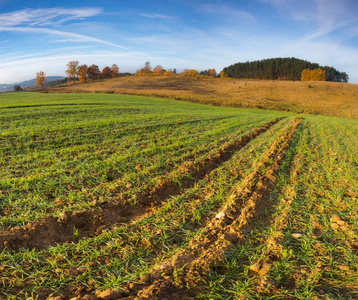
<point>302,97</point>
<point>106,196</point>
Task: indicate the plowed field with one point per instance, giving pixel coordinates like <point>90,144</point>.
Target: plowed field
<point>124,197</point>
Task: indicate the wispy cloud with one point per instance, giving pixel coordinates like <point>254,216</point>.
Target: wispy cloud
<point>314,35</point>
<point>75,36</point>
<point>226,11</point>
<point>157,16</point>
<point>46,17</point>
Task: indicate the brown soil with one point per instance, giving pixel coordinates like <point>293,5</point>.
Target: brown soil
<point>242,215</point>
<point>51,230</point>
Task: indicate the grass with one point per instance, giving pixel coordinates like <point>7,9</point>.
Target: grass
<point>70,153</point>
<point>316,98</point>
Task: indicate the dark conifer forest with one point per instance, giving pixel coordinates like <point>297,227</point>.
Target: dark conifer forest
<point>280,68</point>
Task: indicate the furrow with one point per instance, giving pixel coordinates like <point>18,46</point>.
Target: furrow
<point>71,226</point>
<point>247,206</point>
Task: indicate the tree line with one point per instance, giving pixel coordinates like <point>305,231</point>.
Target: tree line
<point>280,69</point>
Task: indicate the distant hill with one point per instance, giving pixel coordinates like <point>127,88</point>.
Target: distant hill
<point>289,68</point>
<point>29,83</point>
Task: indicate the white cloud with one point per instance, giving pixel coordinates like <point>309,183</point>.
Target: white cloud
<point>156,16</point>
<point>73,36</point>
<point>45,17</point>
<point>314,35</point>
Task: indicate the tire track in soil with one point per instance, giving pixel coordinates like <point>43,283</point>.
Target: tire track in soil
<point>52,230</point>
<point>189,266</point>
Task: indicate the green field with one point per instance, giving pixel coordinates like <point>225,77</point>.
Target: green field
<point>143,198</point>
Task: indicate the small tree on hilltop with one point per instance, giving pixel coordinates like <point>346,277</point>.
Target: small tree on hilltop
<point>40,79</point>
<point>146,70</point>
<point>158,70</point>
<point>106,72</point>
<point>72,70</point>
<point>114,70</point>
<point>211,72</point>
<point>82,73</point>
<point>93,72</point>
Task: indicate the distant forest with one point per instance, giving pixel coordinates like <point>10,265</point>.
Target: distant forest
<point>280,68</point>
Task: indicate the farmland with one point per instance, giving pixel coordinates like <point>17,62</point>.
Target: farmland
<point>107,196</point>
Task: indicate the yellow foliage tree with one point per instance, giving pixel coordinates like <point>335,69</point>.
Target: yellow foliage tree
<point>190,72</point>
<point>169,73</point>
<point>72,70</point>
<point>222,75</point>
<point>82,73</point>
<point>40,78</point>
<point>313,75</point>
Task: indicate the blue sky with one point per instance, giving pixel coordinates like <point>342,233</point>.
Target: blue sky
<point>200,34</point>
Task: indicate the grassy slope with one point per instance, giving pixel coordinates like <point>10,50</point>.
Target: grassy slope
<point>102,142</point>
<point>324,98</point>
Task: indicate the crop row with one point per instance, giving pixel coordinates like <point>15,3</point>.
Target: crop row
<point>47,174</point>
<point>122,251</point>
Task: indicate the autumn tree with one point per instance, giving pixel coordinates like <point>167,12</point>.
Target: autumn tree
<point>72,70</point>
<point>93,72</point>
<point>169,73</point>
<point>146,70</point>
<point>211,72</point>
<point>40,78</point>
<point>158,70</point>
<point>222,75</point>
<point>190,72</point>
<point>106,72</point>
<point>82,73</point>
<point>313,75</point>
<point>114,70</point>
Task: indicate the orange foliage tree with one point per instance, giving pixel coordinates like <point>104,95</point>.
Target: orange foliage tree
<point>158,70</point>
<point>114,70</point>
<point>106,72</point>
<point>211,72</point>
<point>40,78</point>
<point>82,73</point>
<point>313,75</point>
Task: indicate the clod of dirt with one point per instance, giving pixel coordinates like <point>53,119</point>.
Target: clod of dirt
<point>62,218</point>
<point>341,223</point>
<point>88,297</point>
<point>334,226</point>
<point>261,268</point>
<point>328,269</point>
<point>297,235</point>
<point>145,277</point>
<point>335,219</point>
<point>343,268</point>
<point>55,298</point>
<point>129,185</point>
<point>110,295</point>
<point>220,215</point>
<point>100,229</point>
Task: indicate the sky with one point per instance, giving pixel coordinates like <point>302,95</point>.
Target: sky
<point>182,34</point>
